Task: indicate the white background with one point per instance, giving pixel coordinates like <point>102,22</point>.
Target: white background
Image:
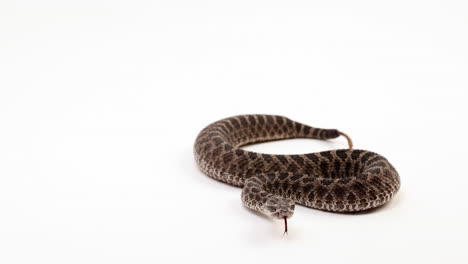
<point>100,103</point>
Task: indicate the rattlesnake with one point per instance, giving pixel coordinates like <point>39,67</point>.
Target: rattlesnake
<point>344,180</point>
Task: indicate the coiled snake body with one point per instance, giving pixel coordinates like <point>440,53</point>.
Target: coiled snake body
<point>344,180</point>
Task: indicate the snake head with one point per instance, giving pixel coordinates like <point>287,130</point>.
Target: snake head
<point>279,207</point>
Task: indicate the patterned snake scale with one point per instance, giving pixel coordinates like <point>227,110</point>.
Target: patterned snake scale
<point>344,180</point>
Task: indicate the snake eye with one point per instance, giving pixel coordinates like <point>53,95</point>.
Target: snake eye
<point>271,208</point>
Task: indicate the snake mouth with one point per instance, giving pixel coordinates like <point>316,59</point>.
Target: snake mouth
<point>282,215</point>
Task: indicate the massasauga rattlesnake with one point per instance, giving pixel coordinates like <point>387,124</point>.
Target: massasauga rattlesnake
<point>343,180</point>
